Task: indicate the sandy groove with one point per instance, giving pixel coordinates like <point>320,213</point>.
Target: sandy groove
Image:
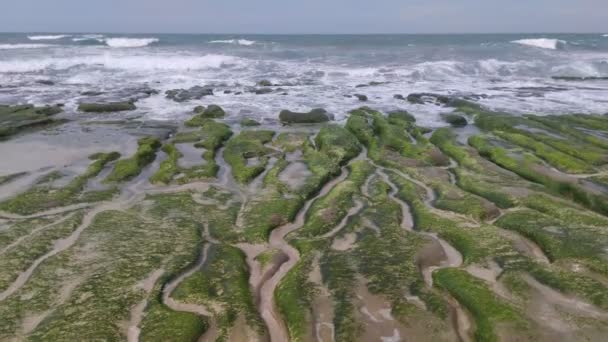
<point>200,310</point>
<point>137,312</point>
<point>274,323</point>
<point>51,212</point>
<point>35,231</point>
<point>453,258</point>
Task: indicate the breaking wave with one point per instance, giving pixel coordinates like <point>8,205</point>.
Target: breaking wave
<point>130,42</point>
<point>543,43</point>
<point>127,63</point>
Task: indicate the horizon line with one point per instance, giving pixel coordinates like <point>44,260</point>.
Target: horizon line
<point>297,33</point>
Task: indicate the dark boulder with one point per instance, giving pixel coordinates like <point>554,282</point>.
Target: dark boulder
<point>361,97</point>
<point>262,91</point>
<point>424,98</point>
<point>45,82</point>
<point>314,116</point>
<point>399,97</point>
<point>194,93</point>
<point>455,120</point>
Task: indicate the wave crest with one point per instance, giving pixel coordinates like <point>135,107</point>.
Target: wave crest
<point>22,46</point>
<point>130,42</point>
<point>48,37</point>
<point>244,42</point>
<point>543,43</point>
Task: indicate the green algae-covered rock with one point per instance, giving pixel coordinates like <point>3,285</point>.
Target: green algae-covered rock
<point>106,107</point>
<point>126,169</point>
<point>317,115</point>
<point>247,122</point>
<point>265,83</point>
<point>401,115</point>
<point>205,113</point>
<point>14,119</point>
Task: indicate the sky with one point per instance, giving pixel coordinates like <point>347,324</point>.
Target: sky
<point>304,16</point>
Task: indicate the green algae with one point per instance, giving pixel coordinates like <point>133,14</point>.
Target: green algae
<point>43,197</point>
<point>203,114</point>
<point>248,145</point>
<point>339,273</point>
<point>17,119</point>
<point>471,183</point>
<point>94,282</point>
<point>106,107</point>
<point>126,169</point>
<point>452,199</point>
<point>485,306</point>
<point>527,169</point>
<point>211,137</point>
<point>562,232</point>
<point>329,210</point>
<point>21,256</point>
<point>389,141</point>
<point>11,177</point>
<point>222,282</point>
<point>294,297</point>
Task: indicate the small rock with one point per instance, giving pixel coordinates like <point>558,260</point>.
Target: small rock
<point>455,120</point>
<point>247,122</point>
<point>106,107</point>
<point>265,83</point>
<point>262,91</point>
<point>399,97</point>
<point>361,97</point>
<point>45,82</point>
<point>194,93</point>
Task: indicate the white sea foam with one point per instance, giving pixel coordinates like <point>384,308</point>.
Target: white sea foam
<point>130,63</point>
<point>22,46</point>
<point>49,37</point>
<point>543,43</point>
<point>130,42</point>
<point>605,35</point>
<point>244,42</point>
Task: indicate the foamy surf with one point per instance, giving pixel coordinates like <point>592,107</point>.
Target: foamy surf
<point>127,63</point>
<point>542,43</point>
<point>49,37</point>
<point>22,46</point>
<point>130,42</point>
<point>244,42</point>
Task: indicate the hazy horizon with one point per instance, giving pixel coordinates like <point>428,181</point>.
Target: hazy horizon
<point>312,17</point>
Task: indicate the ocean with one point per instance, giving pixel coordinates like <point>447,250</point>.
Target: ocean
<point>517,73</point>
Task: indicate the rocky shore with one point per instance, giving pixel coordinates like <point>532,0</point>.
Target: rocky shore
<point>492,228</point>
